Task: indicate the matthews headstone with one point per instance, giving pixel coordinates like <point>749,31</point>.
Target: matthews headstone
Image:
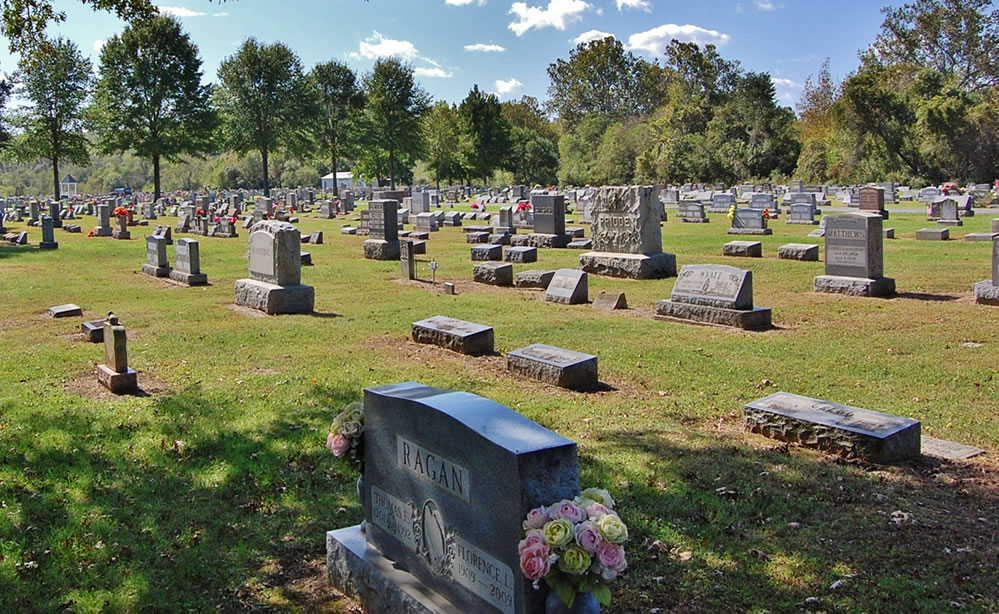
<point>848,431</point>
<point>156,257</point>
<point>275,282</point>
<point>714,294</point>
<point>188,261</point>
<point>854,256</point>
<point>627,239</point>
<point>448,478</point>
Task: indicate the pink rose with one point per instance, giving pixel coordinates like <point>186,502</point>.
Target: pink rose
<point>534,562</point>
<point>537,518</point>
<point>611,556</point>
<point>339,445</point>
<point>588,537</point>
<point>568,510</point>
<point>596,511</point>
<point>534,537</point>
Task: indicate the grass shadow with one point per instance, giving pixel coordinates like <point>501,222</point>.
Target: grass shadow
<point>922,296</point>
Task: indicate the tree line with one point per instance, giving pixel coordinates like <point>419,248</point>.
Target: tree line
<point>921,107</point>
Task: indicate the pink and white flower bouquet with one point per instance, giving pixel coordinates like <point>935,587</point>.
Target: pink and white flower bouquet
<point>575,546</point>
<point>346,437</point>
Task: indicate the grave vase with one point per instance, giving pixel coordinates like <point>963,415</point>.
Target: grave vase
<point>585,603</point>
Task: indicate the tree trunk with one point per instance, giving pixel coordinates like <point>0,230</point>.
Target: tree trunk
<point>267,188</point>
<point>55,176</point>
<point>156,177</point>
<point>392,169</point>
<point>336,184</point>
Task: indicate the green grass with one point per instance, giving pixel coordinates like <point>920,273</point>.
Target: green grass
<point>214,492</point>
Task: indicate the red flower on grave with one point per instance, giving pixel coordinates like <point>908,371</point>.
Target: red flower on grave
<point>199,211</point>
<point>90,234</point>
<point>120,212</point>
<point>233,219</point>
<point>291,209</point>
<point>217,219</point>
<point>268,215</point>
<point>524,206</point>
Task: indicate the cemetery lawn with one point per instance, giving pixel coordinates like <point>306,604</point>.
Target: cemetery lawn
<point>212,490</point>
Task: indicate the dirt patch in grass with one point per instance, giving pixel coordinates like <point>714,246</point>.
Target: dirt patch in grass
<point>296,583</point>
<point>245,311</point>
<point>87,386</point>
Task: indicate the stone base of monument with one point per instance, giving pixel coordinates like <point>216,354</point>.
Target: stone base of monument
<point>486,252</point>
<point>855,286</point>
<point>480,237</point>
<point>534,279</point>
<point>554,365</point>
<point>500,238</point>
<point>950,223</point>
<point>818,233</point>
<point>986,293</point>
<point>117,383</point>
<point>798,251</point>
<point>273,299</point>
<point>803,222</point>
<point>377,249</point>
<point>966,213</point>
<point>933,234</point>
<point>549,241</point>
<point>121,234</point>
<point>758,318</point>
<point>981,236</point>
<point>630,266</point>
<point>493,273</point>
<point>848,431</point>
<point>156,271</point>
<point>361,571</point>
<point>103,231</point>
<point>743,249</point>
<point>750,231</point>
<point>190,279</point>
<point>695,220</point>
<point>48,245</point>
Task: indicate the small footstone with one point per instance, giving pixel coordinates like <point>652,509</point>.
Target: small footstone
<point>521,254</point>
<point>477,237</point>
<point>889,233</point>
<point>68,310</point>
<point>554,365</point>
<point>568,287</point>
<point>609,301</point>
<point>534,279</point>
<point>933,234</point>
<point>798,251</point>
<point>458,335</point>
<point>981,236</point>
<point>487,252</point>
<point>93,331</point>
<point>855,286</point>
<point>581,244</point>
<point>493,273</point>
<point>306,259</point>
<point>986,293</point>
<point>745,249</point>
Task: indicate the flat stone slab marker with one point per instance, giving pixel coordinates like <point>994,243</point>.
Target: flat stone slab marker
<point>458,335</point>
<point>554,365</point>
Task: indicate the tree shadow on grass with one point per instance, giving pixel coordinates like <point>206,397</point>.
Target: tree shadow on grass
<point>718,526</point>
<point>181,508</point>
<point>923,296</point>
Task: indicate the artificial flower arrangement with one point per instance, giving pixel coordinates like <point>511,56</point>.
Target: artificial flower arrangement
<point>346,437</point>
<point>477,206</point>
<point>766,213</point>
<point>575,546</point>
<point>120,212</point>
<point>731,212</point>
<point>233,219</point>
<point>523,207</point>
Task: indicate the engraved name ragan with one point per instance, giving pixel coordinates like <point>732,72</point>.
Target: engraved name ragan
<point>434,468</point>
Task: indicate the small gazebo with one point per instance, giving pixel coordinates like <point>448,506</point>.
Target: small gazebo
<point>68,186</point>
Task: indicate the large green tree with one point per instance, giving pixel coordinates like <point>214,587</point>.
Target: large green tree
<point>262,97</point>
<point>485,133</point>
<point>395,104</point>
<point>149,96</point>
<point>339,100</point>
<point>442,139</point>
<point>51,123</point>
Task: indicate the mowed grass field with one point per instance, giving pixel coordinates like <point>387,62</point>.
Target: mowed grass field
<point>212,490</point>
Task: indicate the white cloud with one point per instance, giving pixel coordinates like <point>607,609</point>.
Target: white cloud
<point>222,14</point>
<point>591,35</point>
<point>435,72</point>
<point>463,2</point>
<point>558,15</point>
<point>508,87</point>
<point>767,5</point>
<point>788,91</point>
<point>654,41</point>
<point>486,48</point>
<point>99,44</point>
<point>377,46</point>
<point>179,11</point>
<point>634,4</point>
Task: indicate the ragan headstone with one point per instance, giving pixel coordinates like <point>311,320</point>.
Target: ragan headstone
<point>48,235</point>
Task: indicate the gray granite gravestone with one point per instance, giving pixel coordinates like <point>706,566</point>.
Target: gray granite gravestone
<point>854,256</point>
<point>48,236</point>
<point>610,301</point>
<point>448,479</point>
<point>627,239</point>
<point>763,201</point>
<point>493,273</point>
<point>156,257</point>
<point>872,200</point>
<point>721,203</point>
<point>987,291</point>
<point>549,214</point>
<point>69,310</point>
<point>831,427</point>
<point>103,228</point>
<point>275,282</point>
<point>554,365</point>
<point>569,287</point>
<point>714,294</point>
<point>115,374</point>
<point>802,213</point>
<point>692,212</point>
<point>383,229</point>
<point>407,260</point>
<point>798,251</point>
<point>188,261</point>
<point>749,222</point>
<point>948,213</point>
<point>458,335</point>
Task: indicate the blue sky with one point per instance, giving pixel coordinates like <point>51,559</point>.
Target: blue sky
<point>504,46</point>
